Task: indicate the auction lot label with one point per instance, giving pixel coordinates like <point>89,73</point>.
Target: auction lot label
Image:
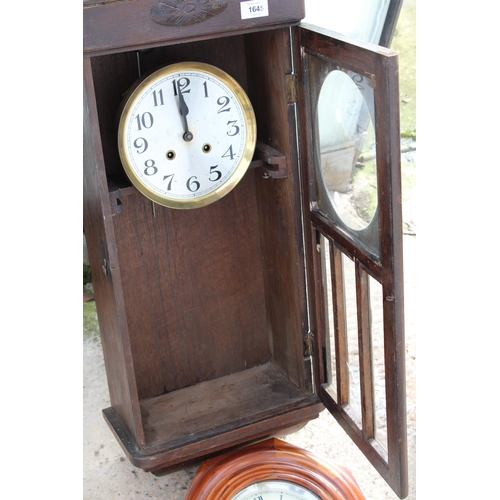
<point>254,8</point>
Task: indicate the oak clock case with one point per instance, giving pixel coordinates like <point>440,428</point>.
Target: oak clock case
<point>212,319</point>
<point>186,135</point>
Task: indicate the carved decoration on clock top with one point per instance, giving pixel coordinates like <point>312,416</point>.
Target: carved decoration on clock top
<point>186,12</point>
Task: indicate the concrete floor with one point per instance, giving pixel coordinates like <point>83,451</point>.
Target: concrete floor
<point>107,474</point>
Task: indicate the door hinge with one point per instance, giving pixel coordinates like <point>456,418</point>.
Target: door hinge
<point>308,344</point>
<point>291,88</point>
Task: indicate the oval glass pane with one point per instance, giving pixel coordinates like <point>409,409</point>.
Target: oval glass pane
<point>348,166</point>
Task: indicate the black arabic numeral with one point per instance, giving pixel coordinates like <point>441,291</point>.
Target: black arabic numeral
<point>223,102</point>
<point>151,168</point>
<point>233,126</point>
<point>229,153</point>
<point>158,97</point>
<point>206,88</point>
<point>181,86</point>
<point>169,186</point>
<point>217,172</point>
<point>139,143</point>
<point>192,184</point>
<point>145,120</point>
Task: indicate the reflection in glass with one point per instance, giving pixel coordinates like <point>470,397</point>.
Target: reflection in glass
<point>352,338</point>
<point>360,19</point>
<point>377,332</point>
<point>349,346</point>
<point>326,268</point>
<point>347,148</point>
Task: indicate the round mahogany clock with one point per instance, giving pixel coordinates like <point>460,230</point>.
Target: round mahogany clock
<point>272,470</point>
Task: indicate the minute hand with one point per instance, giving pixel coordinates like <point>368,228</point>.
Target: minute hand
<point>184,110</point>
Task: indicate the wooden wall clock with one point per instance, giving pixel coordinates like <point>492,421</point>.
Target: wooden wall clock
<point>228,322</point>
<point>272,470</point>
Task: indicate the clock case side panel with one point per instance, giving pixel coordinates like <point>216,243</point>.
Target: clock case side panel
<point>100,239</point>
<point>271,89</point>
<point>381,65</point>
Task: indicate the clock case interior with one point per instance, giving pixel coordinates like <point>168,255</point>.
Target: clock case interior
<point>210,303</point>
<point>204,313</point>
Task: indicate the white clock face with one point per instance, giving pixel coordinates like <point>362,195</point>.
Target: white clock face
<point>187,135</point>
<point>275,490</point>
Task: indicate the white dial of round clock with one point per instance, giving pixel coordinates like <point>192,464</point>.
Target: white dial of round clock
<point>275,490</point>
<point>187,135</point>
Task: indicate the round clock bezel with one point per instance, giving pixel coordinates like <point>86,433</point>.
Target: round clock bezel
<point>249,142</point>
<point>224,477</point>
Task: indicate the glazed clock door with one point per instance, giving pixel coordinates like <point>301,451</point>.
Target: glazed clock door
<point>352,207</point>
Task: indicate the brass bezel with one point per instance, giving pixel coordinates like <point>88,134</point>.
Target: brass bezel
<point>245,160</point>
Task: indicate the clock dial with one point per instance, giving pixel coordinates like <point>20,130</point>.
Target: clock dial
<point>275,490</point>
<point>187,135</point>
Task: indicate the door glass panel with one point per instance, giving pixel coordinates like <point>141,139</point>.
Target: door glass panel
<point>342,333</point>
<point>342,355</point>
<point>342,378</point>
<point>377,335</point>
<point>348,165</point>
<point>330,357</point>
<point>352,339</point>
<point>360,19</point>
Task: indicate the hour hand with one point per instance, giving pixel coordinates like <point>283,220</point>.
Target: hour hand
<point>184,110</point>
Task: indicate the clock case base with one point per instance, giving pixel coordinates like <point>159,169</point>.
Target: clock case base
<point>256,404</point>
